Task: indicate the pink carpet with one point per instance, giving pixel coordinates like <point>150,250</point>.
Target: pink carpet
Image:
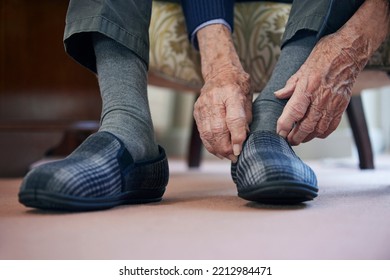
<point>202,218</point>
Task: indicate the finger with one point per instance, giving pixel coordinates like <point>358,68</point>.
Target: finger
<point>203,126</point>
<point>332,126</point>
<point>205,136</point>
<point>236,121</point>
<point>288,89</point>
<point>212,128</point>
<point>305,127</point>
<point>325,126</point>
<point>321,128</point>
<point>220,139</point>
<point>294,110</point>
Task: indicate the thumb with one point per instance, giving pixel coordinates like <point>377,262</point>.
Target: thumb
<point>294,110</point>
<point>288,89</point>
<point>236,121</point>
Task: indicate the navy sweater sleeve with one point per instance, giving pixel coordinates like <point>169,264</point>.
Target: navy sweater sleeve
<point>197,12</point>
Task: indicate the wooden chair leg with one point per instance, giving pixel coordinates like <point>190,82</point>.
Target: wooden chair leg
<point>359,128</point>
<point>195,147</point>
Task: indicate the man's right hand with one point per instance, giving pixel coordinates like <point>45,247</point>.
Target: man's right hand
<point>224,109</point>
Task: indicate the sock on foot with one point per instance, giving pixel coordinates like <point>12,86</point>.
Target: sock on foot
<point>268,170</point>
<point>267,108</point>
<point>122,79</point>
<point>121,163</point>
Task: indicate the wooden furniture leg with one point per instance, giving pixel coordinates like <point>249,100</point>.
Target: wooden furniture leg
<point>195,146</point>
<point>361,136</point>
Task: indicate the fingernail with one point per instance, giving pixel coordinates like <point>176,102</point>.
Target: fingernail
<point>219,156</point>
<point>233,158</point>
<point>236,149</point>
<point>277,91</point>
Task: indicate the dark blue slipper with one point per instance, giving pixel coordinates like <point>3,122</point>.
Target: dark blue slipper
<point>268,171</point>
<point>99,174</point>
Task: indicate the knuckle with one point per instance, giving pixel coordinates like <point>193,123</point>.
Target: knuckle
<point>217,129</point>
<point>240,136</point>
<point>224,150</point>
<point>284,124</point>
<point>246,82</point>
<point>198,106</point>
<point>297,111</point>
<point>195,114</point>
<point>306,127</point>
<point>320,132</point>
<point>322,127</point>
<point>238,119</point>
<point>205,135</point>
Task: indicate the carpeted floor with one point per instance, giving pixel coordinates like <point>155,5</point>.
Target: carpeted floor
<point>202,218</point>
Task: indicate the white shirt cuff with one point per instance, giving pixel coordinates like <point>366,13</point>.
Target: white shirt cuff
<point>213,21</point>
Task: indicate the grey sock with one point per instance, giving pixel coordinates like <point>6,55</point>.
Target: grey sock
<point>267,108</point>
<point>122,79</point>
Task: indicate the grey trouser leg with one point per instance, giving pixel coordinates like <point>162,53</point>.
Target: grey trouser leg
<point>125,21</point>
<point>322,16</point>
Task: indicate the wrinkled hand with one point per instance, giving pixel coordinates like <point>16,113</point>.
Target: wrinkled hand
<point>321,89</point>
<point>223,112</point>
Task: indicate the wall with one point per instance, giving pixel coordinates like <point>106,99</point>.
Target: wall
<point>39,83</point>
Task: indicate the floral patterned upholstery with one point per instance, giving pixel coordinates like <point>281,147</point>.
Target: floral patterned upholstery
<point>171,56</point>
<point>258,28</point>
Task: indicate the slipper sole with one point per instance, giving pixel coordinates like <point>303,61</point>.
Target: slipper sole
<point>281,192</point>
<point>54,201</point>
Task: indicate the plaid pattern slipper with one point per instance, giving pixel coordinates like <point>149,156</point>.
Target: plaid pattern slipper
<point>99,174</point>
